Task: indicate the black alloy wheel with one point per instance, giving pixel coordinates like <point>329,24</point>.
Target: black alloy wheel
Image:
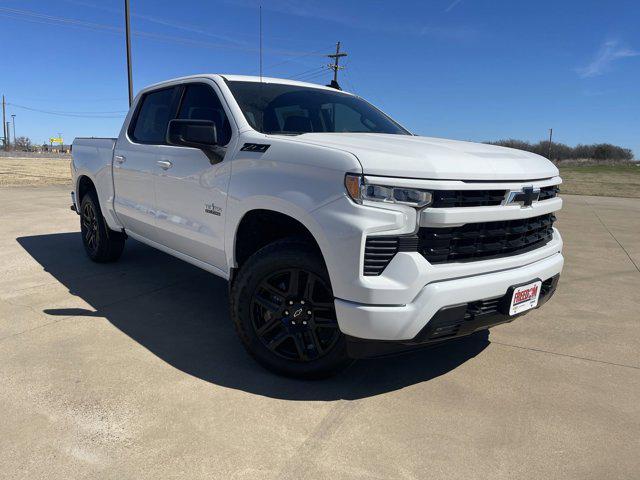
<point>293,315</point>
<point>283,309</point>
<point>90,231</point>
<point>100,242</point>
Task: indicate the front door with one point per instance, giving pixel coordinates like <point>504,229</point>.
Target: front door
<point>191,187</point>
<point>135,162</point>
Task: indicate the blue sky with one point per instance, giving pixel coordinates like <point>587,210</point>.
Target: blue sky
<point>465,69</point>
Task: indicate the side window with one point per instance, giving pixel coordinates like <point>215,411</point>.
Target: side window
<point>200,102</point>
<point>153,117</point>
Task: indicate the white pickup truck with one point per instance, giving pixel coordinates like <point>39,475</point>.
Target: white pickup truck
<point>342,234</point>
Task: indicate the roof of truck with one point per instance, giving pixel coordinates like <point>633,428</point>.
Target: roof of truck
<point>246,78</point>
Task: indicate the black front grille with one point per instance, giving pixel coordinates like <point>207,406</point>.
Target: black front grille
<point>477,241</point>
<point>548,192</point>
<point>466,198</point>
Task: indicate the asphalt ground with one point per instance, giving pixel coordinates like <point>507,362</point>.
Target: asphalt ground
<point>132,371</point>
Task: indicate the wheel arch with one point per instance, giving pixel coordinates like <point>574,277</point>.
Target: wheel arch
<point>259,226</point>
<point>84,184</point>
<point>86,181</point>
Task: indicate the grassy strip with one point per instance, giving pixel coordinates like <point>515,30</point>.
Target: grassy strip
<point>602,180</point>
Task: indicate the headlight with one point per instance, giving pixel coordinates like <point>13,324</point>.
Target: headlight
<point>359,190</point>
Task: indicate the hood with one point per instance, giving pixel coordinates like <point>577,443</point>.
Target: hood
<point>434,158</point>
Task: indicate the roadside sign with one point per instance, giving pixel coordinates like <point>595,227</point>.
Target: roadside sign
<point>56,140</point>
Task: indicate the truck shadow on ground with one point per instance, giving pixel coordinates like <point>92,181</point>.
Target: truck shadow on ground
<point>179,313</point>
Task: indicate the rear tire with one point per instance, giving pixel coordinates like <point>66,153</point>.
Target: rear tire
<point>283,309</point>
<point>100,242</point>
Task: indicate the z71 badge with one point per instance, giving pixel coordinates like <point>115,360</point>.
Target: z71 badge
<point>212,209</point>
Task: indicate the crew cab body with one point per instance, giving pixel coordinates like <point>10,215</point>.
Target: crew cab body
<point>401,274</point>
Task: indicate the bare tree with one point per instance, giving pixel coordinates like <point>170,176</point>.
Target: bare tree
<point>22,143</point>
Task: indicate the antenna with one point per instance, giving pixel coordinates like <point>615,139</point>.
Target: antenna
<point>260,43</point>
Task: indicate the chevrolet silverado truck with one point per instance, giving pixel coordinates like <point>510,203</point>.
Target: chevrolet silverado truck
<point>342,234</point>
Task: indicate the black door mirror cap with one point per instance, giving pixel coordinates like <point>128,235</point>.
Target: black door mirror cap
<point>201,134</point>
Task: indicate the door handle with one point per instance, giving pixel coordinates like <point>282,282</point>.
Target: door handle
<point>120,159</point>
<point>164,164</point>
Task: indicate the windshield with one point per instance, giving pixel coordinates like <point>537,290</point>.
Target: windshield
<point>291,109</point>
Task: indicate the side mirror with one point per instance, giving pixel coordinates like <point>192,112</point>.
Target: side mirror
<point>192,133</point>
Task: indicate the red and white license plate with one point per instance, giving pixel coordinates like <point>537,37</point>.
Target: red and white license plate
<point>525,298</point>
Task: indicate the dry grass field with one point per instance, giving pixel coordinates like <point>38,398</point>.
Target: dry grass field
<point>599,180</point>
<point>24,171</point>
<point>602,180</point>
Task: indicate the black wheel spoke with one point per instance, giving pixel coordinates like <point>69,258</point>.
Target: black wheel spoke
<point>271,290</point>
<point>276,341</point>
<point>320,322</point>
<point>301,347</point>
<point>294,279</point>
<point>309,287</point>
<point>324,305</point>
<point>268,326</point>
<point>267,304</point>
<point>316,341</point>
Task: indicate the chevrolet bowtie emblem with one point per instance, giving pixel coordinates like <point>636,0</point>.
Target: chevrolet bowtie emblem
<point>525,197</point>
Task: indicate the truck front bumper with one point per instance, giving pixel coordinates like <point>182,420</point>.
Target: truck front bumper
<point>448,305</point>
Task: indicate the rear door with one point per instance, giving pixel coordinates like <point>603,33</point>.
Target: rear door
<point>191,187</point>
<point>136,157</point>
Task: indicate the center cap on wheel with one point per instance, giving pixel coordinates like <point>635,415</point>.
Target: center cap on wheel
<point>298,313</point>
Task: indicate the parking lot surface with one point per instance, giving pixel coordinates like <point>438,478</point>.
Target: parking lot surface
<point>132,370</point>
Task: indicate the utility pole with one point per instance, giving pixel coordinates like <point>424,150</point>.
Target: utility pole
<point>335,66</point>
<point>260,43</point>
<point>13,120</point>
<point>4,126</point>
<point>128,37</point>
<point>550,137</point>
<point>8,140</point>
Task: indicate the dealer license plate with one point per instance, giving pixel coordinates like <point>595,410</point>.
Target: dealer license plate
<point>525,298</point>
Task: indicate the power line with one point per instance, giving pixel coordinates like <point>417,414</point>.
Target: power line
<point>348,80</point>
<point>296,57</point>
<point>108,114</point>
<point>27,15</point>
<point>310,75</point>
<point>302,74</point>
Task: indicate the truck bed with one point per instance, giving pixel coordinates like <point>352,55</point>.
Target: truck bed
<point>93,157</point>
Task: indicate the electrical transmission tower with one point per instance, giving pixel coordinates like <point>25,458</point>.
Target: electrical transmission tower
<point>335,66</point>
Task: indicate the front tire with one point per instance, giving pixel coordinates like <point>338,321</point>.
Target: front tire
<point>100,242</point>
<point>283,310</point>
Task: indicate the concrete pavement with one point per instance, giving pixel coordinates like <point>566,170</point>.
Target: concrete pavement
<point>132,370</point>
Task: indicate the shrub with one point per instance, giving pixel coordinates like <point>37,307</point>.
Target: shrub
<point>560,151</point>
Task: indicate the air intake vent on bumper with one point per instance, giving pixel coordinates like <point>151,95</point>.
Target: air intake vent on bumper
<point>379,251</point>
